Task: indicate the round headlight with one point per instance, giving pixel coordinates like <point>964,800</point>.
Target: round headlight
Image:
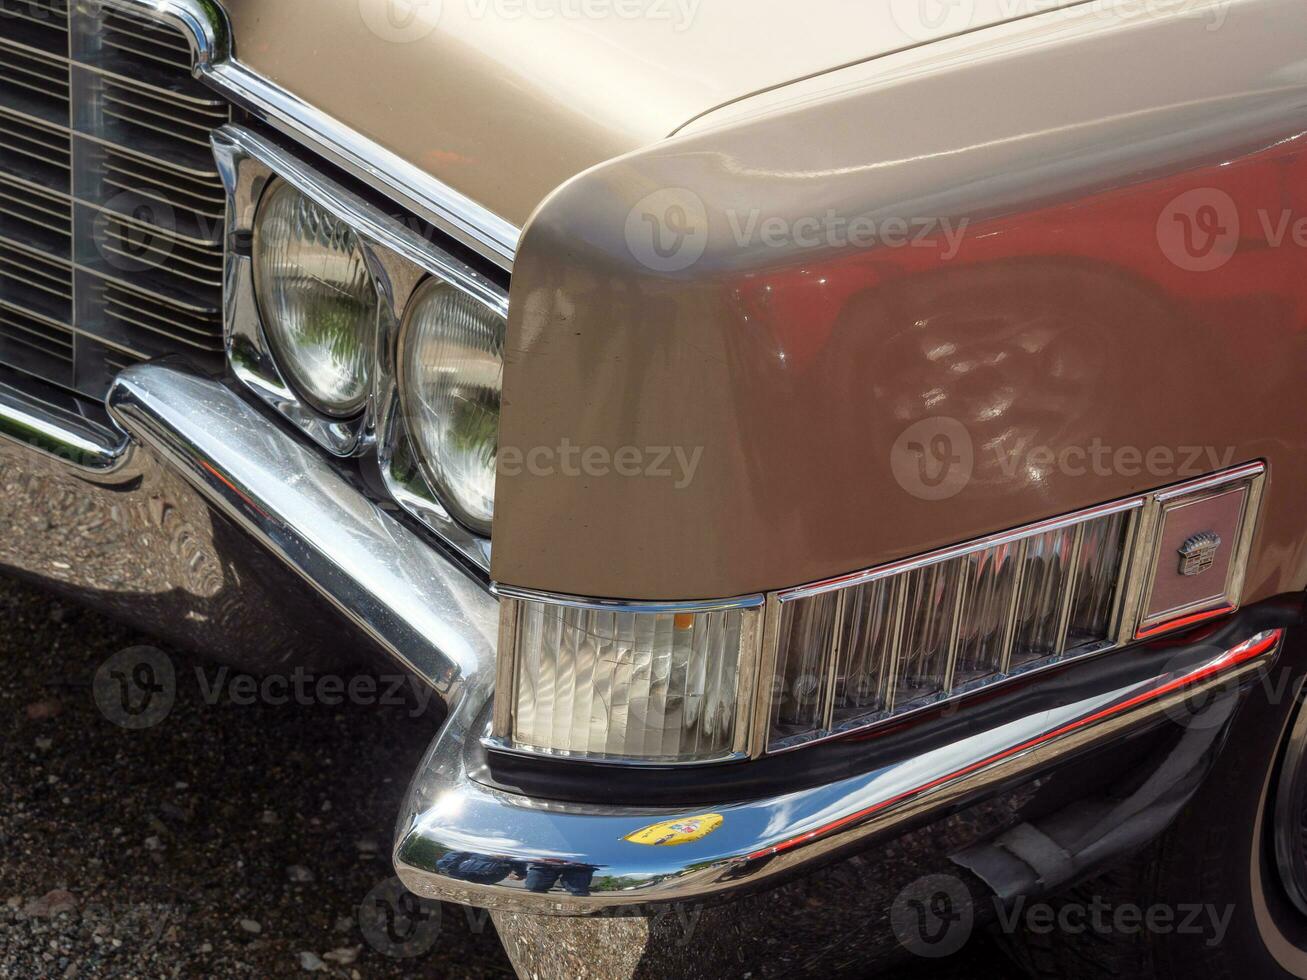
<point>451,373</point>
<point>316,298</point>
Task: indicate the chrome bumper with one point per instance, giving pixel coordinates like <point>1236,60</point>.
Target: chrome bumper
<point>204,522</point>
<point>523,848</point>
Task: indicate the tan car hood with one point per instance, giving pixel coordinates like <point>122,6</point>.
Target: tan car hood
<point>504,100</point>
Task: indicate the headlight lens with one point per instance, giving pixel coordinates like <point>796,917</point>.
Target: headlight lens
<point>317,300</point>
<point>451,375</point>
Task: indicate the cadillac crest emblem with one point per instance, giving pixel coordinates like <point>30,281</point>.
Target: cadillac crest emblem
<point>1199,552</point>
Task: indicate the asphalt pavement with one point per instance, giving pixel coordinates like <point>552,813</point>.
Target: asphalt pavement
<point>214,833</point>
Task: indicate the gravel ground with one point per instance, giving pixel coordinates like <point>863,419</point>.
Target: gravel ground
<point>221,839</point>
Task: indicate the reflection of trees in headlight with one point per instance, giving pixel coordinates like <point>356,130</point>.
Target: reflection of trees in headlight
<point>451,374</point>
<point>317,299</point>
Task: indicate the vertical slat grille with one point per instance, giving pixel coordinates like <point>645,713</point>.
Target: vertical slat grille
<point>111,208</point>
<point>850,656</point>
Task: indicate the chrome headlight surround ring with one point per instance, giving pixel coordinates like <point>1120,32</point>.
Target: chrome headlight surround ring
<point>400,261</point>
<point>249,166</point>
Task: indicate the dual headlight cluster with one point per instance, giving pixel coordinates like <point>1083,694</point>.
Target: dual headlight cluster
<point>353,315</point>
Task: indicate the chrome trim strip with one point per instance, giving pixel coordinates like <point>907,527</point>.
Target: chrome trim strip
<point>758,841</point>
<point>79,442</point>
<point>454,213</point>
<point>957,551</point>
<point>625,605</point>
<point>1208,482</point>
<point>417,605</point>
<point>501,744</point>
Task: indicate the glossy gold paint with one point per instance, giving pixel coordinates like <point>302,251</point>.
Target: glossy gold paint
<point>504,100</point>
<point>856,404</point>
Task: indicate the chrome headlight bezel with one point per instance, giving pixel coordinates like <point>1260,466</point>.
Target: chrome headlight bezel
<point>400,260</point>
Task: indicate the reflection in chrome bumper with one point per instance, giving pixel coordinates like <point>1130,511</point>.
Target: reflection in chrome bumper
<point>205,522</point>
<point>463,841</point>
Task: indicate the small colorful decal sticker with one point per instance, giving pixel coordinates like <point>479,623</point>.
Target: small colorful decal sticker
<point>672,832</point>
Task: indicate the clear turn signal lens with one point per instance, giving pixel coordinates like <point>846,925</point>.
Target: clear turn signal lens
<point>648,686</point>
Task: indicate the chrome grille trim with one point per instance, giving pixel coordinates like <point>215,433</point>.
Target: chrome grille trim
<point>454,213</point>
<point>111,208</point>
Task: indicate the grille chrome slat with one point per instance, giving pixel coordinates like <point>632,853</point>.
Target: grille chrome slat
<point>35,139</point>
<point>111,208</point>
<point>202,115</point>
<point>35,332</point>
<point>33,82</point>
<point>41,15</point>
<point>161,318</point>
<point>9,208</point>
<point>132,120</point>
<point>132,183</point>
<point>172,250</point>
<point>137,48</point>
<point>44,276</point>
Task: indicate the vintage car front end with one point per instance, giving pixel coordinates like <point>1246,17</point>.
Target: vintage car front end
<point>886,485</point>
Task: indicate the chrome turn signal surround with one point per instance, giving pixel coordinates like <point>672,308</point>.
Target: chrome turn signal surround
<point>847,654</point>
